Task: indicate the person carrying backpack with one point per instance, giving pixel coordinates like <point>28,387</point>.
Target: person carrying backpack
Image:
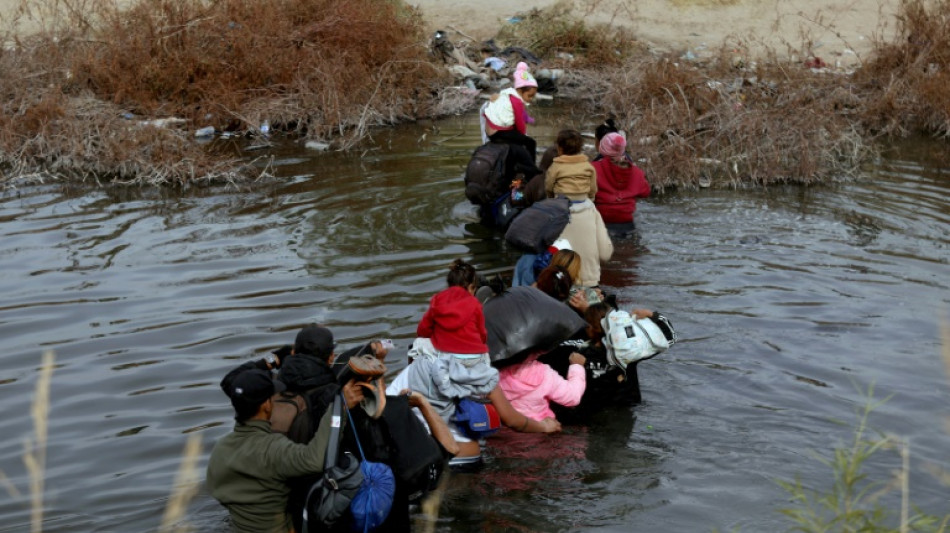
<point>312,370</point>
<point>250,468</point>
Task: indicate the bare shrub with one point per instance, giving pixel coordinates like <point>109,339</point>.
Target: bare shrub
<point>726,126</point>
<point>548,31</point>
<point>46,133</point>
<point>906,79</point>
<point>313,67</point>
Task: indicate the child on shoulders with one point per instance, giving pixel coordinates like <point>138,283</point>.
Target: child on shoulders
<point>454,321</point>
<point>571,174</point>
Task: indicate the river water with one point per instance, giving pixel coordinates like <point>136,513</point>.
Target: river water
<point>789,302</point>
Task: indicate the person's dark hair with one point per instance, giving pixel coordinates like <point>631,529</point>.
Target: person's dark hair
<point>461,274</point>
<point>593,315</point>
<point>555,282</point>
<point>607,127</point>
<point>570,142</point>
<point>547,158</point>
<point>243,413</point>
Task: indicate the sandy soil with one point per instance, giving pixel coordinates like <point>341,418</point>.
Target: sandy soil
<point>840,30</point>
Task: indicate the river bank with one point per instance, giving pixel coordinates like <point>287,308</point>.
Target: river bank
<point>119,95</point>
<point>834,26</point>
<point>841,30</point>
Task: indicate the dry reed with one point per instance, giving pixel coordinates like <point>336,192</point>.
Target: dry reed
<point>187,481</point>
<point>34,451</point>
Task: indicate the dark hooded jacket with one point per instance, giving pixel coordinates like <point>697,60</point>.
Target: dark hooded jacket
<point>312,376</point>
<point>455,323</point>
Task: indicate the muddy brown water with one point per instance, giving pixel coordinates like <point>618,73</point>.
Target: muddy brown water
<point>790,302</point>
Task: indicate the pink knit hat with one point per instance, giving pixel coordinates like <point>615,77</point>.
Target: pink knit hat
<point>523,78</point>
<point>613,145</point>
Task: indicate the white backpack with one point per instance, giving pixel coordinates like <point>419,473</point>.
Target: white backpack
<point>629,340</point>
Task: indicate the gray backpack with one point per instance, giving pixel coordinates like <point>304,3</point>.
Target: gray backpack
<point>538,226</point>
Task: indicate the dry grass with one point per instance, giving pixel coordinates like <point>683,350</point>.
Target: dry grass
<point>34,453</point>
<point>186,486</point>
<point>546,32</point>
<point>906,80</point>
<point>731,122</point>
<point>34,450</point>
<point>324,68</point>
<point>316,68</point>
<point>722,125</point>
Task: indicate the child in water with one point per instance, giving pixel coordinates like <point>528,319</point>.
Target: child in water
<point>531,385</point>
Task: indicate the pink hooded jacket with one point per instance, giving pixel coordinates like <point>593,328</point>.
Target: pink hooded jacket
<point>529,387</point>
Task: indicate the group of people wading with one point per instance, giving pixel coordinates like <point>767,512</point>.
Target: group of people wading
<point>551,349</point>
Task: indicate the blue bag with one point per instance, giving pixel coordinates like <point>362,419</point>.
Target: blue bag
<point>371,505</point>
<point>476,419</point>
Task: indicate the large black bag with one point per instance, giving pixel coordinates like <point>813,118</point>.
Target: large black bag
<point>538,226</point>
<point>485,173</point>
<point>416,458</point>
<point>523,319</point>
<point>329,498</point>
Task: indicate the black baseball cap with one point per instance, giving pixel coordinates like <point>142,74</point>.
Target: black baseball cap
<point>314,340</point>
<point>252,388</point>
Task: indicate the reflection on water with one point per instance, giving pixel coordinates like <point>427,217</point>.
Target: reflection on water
<point>788,301</point>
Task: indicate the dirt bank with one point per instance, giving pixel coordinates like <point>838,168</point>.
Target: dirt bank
<point>840,30</point>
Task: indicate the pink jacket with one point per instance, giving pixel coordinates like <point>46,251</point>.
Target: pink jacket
<point>532,384</point>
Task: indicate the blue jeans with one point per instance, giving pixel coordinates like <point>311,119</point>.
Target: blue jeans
<point>524,271</point>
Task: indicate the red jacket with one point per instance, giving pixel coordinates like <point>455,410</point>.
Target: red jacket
<point>617,191</point>
<point>455,323</point>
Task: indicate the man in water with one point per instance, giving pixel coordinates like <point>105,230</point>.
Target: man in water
<point>249,468</point>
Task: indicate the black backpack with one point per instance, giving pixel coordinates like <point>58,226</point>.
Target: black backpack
<point>485,173</point>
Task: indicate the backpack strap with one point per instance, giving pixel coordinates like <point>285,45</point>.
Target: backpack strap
<point>336,421</point>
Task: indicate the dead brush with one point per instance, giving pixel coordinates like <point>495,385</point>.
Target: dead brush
<point>315,65</point>
<point>906,79</point>
<point>723,126</point>
<point>545,32</point>
<point>47,134</point>
<point>317,68</point>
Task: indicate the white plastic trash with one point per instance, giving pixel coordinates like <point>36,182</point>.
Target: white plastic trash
<point>319,146</point>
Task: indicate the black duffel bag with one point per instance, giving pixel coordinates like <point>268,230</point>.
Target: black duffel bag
<point>523,319</point>
<point>538,226</point>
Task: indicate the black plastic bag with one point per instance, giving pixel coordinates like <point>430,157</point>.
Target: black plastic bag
<point>524,319</point>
